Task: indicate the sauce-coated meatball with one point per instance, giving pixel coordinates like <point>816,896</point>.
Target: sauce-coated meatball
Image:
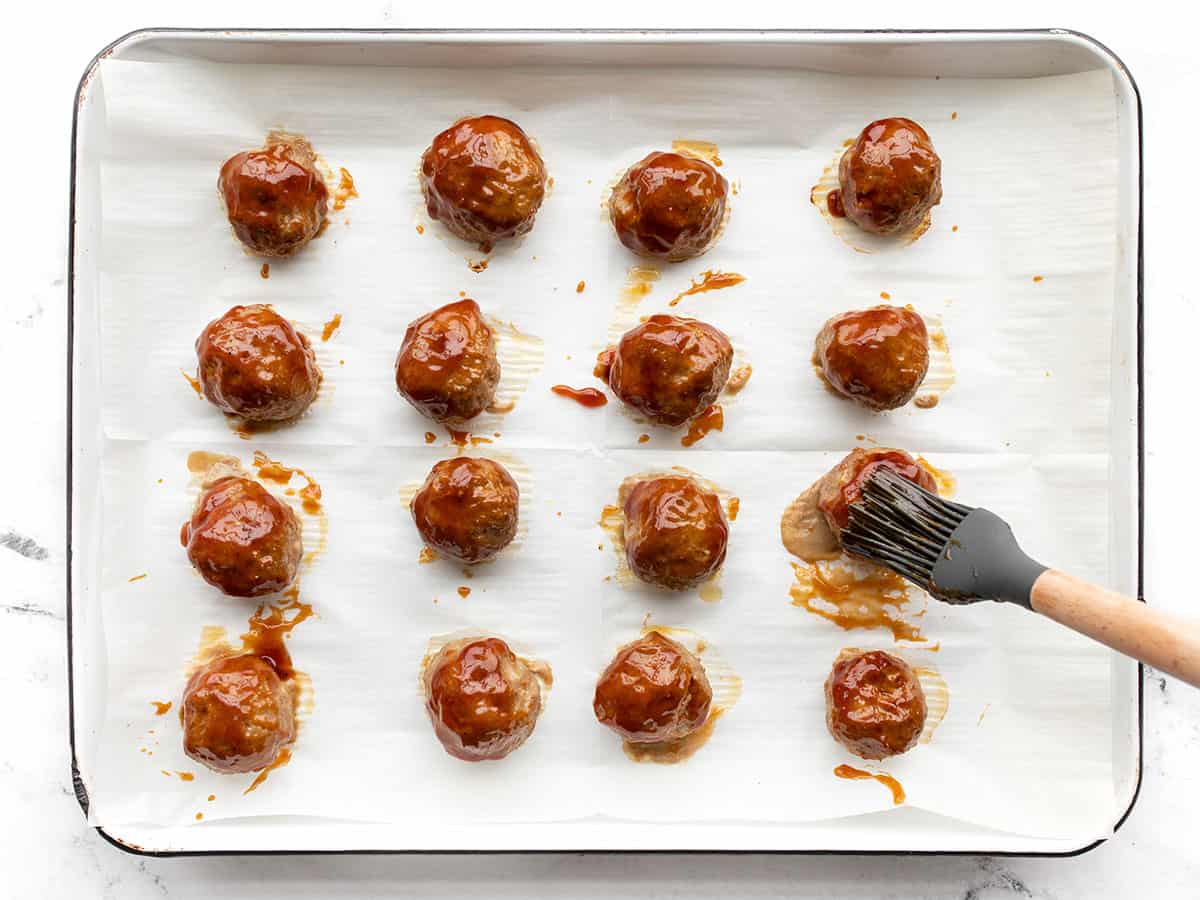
<point>877,357</point>
<point>654,690</point>
<point>668,206</point>
<point>467,508</point>
<point>482,698</point>
<point>890,178</point>
<point>447,366</point>
<point>253,363</point>
<point>275,200</point>
<point>483,179</point>
<point>675,532</point>
<point>845,485</point>
<point>237,715</point>
<point>668,368</point>
<point>874,704</point>
<point>242,539</point>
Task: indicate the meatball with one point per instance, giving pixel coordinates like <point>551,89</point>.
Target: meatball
<point>654,690</point>
<point>668,368</point>
<point>275,200</point>
<point>843,485</point>
<point>874,704</point>
<point>467,508</point>
<point>890,178</point>
<point>242,539</point>
<point>668,206</point>
<point>253,363</point>
<point>237,715</point>
<point>447,366</point>
<point>877,357</point>
<point>482,698</point>
<point>483,179</point>
<point>675,532</point>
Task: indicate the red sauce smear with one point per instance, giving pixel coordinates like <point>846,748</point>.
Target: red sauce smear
<point>331,326</point>
<point>420,229</point>
<point>271,624</point>
<point>579,287</point>
<point>430,437</point>
<point>710,281</point>
<point>161,708</point>
<point>589,397</point>
<point>464,592</point>
<point>882,777</point>
<point>273,470</point>
<point>642,438</point>
<point>284,757</point>
<point>459,438</point>
<point>427,555</point>
<point>734,506</point>
<point>186,776</point>
<point>712,419</point>
<point>138,577</point>
<point>478,265</point>
<point>265,271</point>
<point>192,381</point>
<point>1037,277</point>
<point>345,190</point>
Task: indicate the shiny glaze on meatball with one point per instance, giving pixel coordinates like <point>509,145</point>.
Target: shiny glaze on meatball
<point>669,368</point>
<point>275,200</point>
<point>844,484</point>
<point>654,690</point>
<point>467,508</point>
<point>447,366</point>
<point>890,178</point>
<point>675,532</point>
<point>874,704</point>
<point>242,539</point>
<point>482,699</point>
<point>237,715</point>
<point>668,206</point>
<point>253,363</point>
<point>877,357</point>
<point>483,179</point>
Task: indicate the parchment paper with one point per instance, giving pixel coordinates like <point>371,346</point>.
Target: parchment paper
<point>1030,183</point>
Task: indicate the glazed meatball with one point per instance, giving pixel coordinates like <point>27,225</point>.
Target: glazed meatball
<point>482,698</point>
<point>675,532</point>
<point>890,178</point>
<point>483,180</point>
<point>668,206</point>
<point>237,715</point>
<point>874,704</point>
<point>275,200</point>
<point>654,690</point>
<point>467,508</point>
<point>669,368</point>
<point>447,366</point>
<point>242,539</point>
<point>877,357</point>
<point>253,363</point>
<point>843,485</point>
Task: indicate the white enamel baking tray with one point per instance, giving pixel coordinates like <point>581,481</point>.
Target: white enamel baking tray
<point>991,54</point>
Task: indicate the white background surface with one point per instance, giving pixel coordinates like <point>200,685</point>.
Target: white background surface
<point>46,848</point>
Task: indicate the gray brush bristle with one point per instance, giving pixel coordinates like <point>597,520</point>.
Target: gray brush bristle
<point>900,525</point>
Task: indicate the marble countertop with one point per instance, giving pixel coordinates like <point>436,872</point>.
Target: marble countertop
<point>46,848</point>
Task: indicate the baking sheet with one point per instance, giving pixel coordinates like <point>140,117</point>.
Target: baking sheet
<point>1026,744</point>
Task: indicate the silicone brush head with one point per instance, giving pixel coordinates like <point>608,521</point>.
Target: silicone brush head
<point>957,553</point>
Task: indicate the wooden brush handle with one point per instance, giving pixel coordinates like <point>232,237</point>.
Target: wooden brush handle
<point>1168,643</point>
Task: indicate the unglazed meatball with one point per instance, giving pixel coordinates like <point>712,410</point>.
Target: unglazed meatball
<point>877,357</point>
<point>483,179</point>
<point>467,508</point>
<point>447,366</point>
<point>252,362</point>
<point>669,368</point>
<point>890,178</point>
<point>482,699</point>
<point>675,532</point>
<point>843,485</point>
<point>242,539</point>
<point>275,200</point>
<point>237,715</point>
<point>668,206</point>
<point>874,704</point>
<point>654,690</point>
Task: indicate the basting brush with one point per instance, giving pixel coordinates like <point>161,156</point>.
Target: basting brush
<point>961,554</point>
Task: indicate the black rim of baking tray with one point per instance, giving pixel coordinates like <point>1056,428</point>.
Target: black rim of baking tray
<point>81,793</point>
